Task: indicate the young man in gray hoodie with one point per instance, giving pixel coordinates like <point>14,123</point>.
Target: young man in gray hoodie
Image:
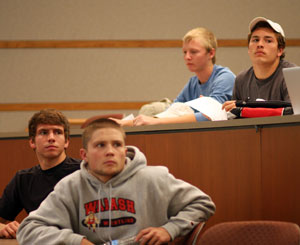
<point>115,195</point>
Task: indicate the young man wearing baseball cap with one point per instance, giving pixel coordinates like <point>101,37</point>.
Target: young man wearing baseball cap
<point>264,80</point>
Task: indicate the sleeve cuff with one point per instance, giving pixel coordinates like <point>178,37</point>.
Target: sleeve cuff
<point>200,117</point>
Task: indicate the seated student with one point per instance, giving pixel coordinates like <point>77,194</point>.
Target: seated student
<point>264,80</point>
<point>49,138</point>
<point>199,49</point>
<point>114,196</point>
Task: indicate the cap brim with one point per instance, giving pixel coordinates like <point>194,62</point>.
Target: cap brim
<point>275,26</point>
<point>255,21</point>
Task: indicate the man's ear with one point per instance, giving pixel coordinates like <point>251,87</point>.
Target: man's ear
<point>280,52</point>
<point>32,143</point>
<point>212,53</point>
<point>126,149</point>
<point>67,143</point>
<point>83,154</point>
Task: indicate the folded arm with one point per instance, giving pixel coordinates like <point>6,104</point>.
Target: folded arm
<point>8,229</point>
<point>146,120</point>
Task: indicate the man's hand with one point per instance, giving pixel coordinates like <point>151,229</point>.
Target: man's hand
<point>153,236</point>
<point>122,122</point>
<point>229,105</point>
<point>9,230</point>
<point>84,241</point>
<point>144,120</point>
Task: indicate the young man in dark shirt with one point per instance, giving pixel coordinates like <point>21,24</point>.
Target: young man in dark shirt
<point>48,137</point>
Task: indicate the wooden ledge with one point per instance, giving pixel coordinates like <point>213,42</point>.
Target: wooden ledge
<point>76,106</point>
<point>120,43</point>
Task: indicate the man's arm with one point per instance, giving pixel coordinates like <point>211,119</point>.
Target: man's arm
<point>223,87</point>
<point>54,221</point>
<point>146,120</point>
<point>8,230</point>
<point>188,207</point>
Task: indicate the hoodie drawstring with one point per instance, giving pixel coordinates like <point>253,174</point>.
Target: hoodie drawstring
<point>99,214</point>
<point>109,214</point>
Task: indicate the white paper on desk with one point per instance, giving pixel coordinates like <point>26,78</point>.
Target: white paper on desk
<point>210,107</point>
<point>129,117</point>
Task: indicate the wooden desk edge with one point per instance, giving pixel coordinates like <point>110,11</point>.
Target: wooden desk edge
<point>198,126</point>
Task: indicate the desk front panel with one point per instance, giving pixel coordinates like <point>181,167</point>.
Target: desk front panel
<point>281,172</point>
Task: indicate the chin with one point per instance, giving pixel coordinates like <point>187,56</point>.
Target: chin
<point>191,69</point>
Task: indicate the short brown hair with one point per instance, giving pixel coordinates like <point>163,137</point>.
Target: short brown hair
<point>51,117</point>
<point>279,37</point>
<point>99,124</point>
<point>206,36</point>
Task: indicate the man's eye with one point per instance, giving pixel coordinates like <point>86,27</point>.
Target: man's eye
<point>255,40</point>
<point>58,132</point>
<point>100,145</point>
<point>117,144</point>
<point>43,132</point>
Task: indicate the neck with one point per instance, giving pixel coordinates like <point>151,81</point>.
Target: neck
<point>263,71</point>
<point>101,178</point>
<point>205,73</point>
<point>47,163</point>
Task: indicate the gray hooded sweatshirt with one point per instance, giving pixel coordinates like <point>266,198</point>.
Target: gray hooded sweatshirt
<point>139,197</point>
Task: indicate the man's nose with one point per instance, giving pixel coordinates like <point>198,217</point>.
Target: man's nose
<point>260,43</point>
<point>51,135</point>
<point>187,56</point>
<point>109,149</point>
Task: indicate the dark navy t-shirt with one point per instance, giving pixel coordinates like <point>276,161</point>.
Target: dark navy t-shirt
<point>29,187</point>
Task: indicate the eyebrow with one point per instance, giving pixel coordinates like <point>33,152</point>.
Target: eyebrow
<point>263,37</point>
<point>107,141</point>
<point>48,129</point>
<point>42,129</point>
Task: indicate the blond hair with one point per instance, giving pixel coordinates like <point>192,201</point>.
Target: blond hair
<point>207,37</point>
<point>99,124</point>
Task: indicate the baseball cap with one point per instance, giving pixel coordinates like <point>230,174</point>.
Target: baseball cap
<point>177,109</point>
<point>275,26</point>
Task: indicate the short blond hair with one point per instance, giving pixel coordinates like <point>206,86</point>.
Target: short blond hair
<point>100,124</point>
<point>206,36</point>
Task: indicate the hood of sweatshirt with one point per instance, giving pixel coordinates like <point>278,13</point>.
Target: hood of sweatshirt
<point>135,160</point>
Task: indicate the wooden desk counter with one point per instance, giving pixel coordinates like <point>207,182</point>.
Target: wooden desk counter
<point>249,167</point>
<point>8,242</point>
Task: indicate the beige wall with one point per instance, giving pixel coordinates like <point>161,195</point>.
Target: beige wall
<point>123,74</point>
